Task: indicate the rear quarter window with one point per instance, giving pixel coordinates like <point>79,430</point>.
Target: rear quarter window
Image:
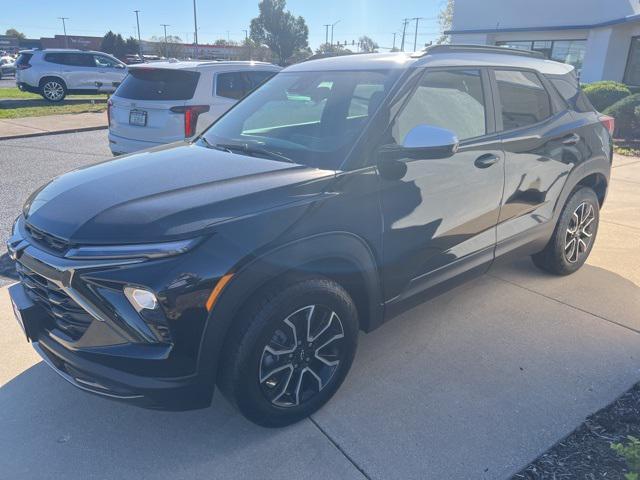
<point>158,84</point>
<point>23,59</point>
<point>571,92</point>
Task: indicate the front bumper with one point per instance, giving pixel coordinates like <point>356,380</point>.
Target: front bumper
<point>113,354</point>
<point>182,393</point>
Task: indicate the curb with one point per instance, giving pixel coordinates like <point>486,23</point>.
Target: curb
<point>56,132</point>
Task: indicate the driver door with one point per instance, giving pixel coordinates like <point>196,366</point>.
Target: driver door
<point>440,217</point>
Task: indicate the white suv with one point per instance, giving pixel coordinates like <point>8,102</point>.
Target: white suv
<point>165,102</point>
<point>53,73</point>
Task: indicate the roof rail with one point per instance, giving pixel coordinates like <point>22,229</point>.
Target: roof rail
<point>461,48</point>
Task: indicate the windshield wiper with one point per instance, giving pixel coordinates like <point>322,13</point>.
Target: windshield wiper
<point>252,151</point>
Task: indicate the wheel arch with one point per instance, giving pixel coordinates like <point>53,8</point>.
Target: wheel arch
<point>597,182</point>
<point>51,77</point>
<point>341,256</point>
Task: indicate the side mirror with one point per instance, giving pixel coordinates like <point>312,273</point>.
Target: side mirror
<point>426,141</point>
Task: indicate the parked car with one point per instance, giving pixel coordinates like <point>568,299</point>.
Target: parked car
<point>7,66</point>
<point>170,101</point>
<point>54,73</point>
<point>339,193</point>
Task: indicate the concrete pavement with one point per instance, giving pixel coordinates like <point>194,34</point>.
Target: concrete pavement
<point>473,384</point>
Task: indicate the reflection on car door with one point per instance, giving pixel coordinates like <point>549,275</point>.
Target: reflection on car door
<point>440,217</point>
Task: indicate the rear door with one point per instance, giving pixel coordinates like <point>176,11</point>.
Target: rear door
<point>78,69</point>
<point>141,106</point>
<point>542,147</point>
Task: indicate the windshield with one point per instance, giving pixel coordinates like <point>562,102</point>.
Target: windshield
<point>311,118</point>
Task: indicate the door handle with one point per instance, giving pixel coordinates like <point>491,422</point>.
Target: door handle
<point>485,161</point>
<point>571,139</point>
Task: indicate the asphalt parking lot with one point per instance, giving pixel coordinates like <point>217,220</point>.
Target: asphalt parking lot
<point>473,384</point>
<point>7,81</point>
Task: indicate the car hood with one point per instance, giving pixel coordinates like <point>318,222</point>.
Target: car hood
<point>165,194</point>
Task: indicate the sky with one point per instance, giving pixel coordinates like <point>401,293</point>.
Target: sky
<point>378,19</point>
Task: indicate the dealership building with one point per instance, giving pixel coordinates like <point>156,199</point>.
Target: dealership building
<point>601,38</point>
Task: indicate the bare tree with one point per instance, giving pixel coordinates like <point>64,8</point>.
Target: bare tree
<point>445,19</point>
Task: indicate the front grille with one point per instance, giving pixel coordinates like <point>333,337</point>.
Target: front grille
<point>46,240</point>
<point>65,313</point>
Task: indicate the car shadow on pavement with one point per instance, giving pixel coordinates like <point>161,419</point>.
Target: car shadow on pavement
<point>488,346</point>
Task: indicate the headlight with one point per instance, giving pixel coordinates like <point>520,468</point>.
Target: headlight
<point>146,250</point>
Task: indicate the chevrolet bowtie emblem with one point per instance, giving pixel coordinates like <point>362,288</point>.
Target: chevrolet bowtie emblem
<point>16,247</point>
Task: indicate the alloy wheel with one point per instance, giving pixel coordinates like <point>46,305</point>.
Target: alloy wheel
<point>53,91</point>
<point>301,356</point>
<point>579,232</point>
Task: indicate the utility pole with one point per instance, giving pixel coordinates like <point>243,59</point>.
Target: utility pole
<point>326,33</point>
<point>394,40</point>
<point>333,25</point>
<point>165,25</point>
<point>64,28</point>
<point>246,35</point>
<point>139,39</point>
<point>405,22</point>
<point>195,30</point>
<point>415,38</point>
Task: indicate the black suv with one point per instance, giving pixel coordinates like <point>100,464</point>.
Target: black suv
<point>324,203</point>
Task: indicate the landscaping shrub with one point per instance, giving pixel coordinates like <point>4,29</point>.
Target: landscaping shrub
<point>631,453</point>
<point>627,115</point>
<point>606,93</point>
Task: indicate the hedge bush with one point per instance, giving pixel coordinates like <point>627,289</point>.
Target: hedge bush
<point>627,115</point>
<point>606,93</point>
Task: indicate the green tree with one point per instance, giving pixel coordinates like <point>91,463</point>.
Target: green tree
<point>114,44</point>
<point>335,49</point>
<point>445,19</point>
<point>132,46</point>
<point>280,30</point>
<point>12,32</point>
<point>367,45</point>
<point>173,48</point>
<point>225,43</point>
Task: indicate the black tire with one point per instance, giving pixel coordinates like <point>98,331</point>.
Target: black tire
<point>260,392</point>
<point>559,257</point>
<point>53,89</point>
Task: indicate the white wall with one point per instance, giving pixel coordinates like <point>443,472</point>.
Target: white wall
<point>481,14</point>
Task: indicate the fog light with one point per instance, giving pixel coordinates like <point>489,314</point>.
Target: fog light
<point>140,298</point>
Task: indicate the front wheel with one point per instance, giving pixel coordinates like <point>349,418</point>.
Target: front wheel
<point>290,351</point>
<point>574,235</point>
<point>53,90</point>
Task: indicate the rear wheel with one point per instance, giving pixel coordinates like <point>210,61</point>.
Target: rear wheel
<point>574,235</point>
<point>290,351</point>
<point>53,89</point>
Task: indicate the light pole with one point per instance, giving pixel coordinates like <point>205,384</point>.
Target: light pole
<point>333,25</point>
<point>139,39</point>
<point>64,28</point>
<point>195,31</point>
<point>165,25</point>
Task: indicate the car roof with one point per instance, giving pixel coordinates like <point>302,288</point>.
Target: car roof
<point>440,56</point>
<point>63,50</point>
<point>204,65</point>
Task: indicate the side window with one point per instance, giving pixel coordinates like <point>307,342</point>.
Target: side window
<point>54,58</point>
<point>572,94</point>
<point>104,62</point>
<point>523,98</point>
<point>448,99</point>
<point>255,79</point>
<point>230,85</point>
